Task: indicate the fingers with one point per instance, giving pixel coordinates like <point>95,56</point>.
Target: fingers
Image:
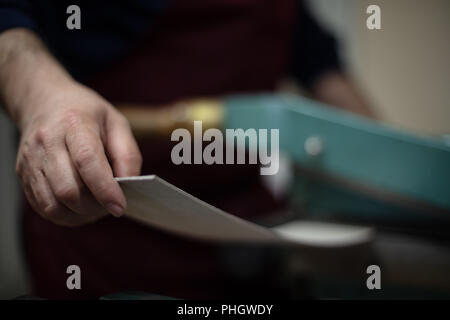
<point>67,186</point>
<point>46,204</point>
<point>37,190</point>
<point>121,147</point>
<point>88,156</point>
<point>30,197</point>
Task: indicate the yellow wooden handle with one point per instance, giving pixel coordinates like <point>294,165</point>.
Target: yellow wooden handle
<point>161,120</point>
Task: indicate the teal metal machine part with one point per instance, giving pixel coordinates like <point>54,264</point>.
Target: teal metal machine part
<point>352,168</point>
<point>370,160</point>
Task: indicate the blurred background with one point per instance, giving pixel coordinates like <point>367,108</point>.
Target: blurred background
<point>403,69</point>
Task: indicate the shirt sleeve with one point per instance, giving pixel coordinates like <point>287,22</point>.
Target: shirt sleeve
<point>16,14</point>
<point>315,50</point>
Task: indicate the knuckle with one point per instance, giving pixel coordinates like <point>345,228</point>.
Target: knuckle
<point>25,152</point>
<point>84,156</point>
<point>73,118</point>
<point>43,136</point>
<point>33,181</point>
<point>67,194</point>
<point>51,211</point>
<point>133,158</point>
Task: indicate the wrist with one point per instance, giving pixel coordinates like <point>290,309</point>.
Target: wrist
<point>28,74</point>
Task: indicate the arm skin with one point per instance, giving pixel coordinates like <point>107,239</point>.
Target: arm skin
<point>69,135</point>
<point>335,89</point>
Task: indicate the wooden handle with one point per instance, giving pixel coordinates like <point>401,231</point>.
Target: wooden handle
<point>162,120</point>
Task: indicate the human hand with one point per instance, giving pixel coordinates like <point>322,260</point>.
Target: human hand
<point>72,144</point>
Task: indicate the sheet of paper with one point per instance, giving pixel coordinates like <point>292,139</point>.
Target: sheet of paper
<point>157,203</point>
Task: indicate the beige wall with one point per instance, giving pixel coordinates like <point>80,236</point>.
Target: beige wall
<point>404,68</point>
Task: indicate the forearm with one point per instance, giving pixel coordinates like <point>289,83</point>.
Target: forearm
<point>27,72</point>
<point>335,89</point>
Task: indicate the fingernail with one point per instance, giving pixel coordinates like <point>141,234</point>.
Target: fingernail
<point>114,209</point>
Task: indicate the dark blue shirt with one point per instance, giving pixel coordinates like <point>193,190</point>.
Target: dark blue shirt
<point>110,29</point>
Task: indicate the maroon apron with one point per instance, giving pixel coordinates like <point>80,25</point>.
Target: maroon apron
<point>198,48</point>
